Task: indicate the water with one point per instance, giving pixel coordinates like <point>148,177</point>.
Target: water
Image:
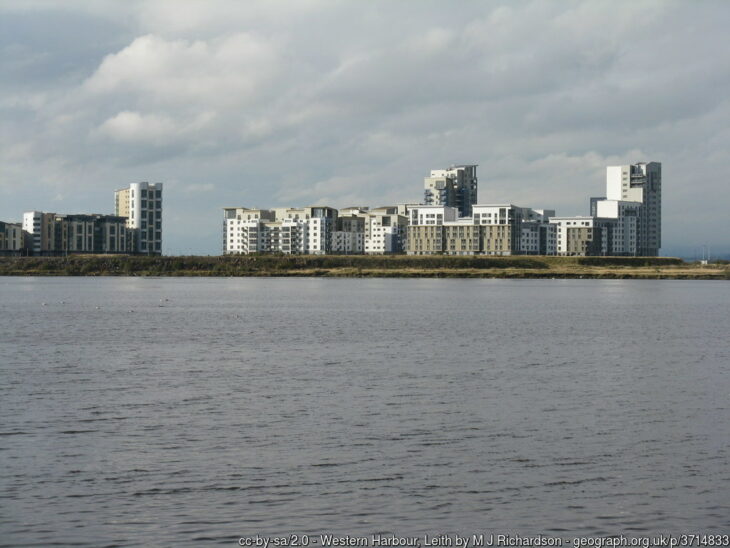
<point>189,412</point>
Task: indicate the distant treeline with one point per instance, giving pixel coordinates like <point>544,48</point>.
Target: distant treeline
<point>308,265</point>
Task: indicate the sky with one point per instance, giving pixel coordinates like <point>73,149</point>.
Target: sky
<point>292,103</point>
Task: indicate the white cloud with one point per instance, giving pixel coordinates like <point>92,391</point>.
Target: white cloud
<point>228,70</point>
<point>134,127</point>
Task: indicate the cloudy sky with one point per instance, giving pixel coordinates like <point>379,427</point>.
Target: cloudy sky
<point>300,102</point>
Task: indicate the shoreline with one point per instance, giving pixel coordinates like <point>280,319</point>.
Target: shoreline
<point>366,266</point>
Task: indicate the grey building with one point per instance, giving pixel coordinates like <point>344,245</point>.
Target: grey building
<point>453,187</point>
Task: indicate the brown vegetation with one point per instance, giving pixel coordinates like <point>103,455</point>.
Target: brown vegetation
<point>399,266</point>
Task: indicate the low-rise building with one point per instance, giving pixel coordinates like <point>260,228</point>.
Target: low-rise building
<point>462,237</point>
<point>51,234</point>
<point>579,236</point>
<point>492,229</point>
<point>385,231</point>
<point>306,230</point>
<point>349,237</point>
<point>501,228</point>
<point>621,222</point>
<point>242,229</point>
<point>425,233</point>
<point>538,235</point>
<point>11,239</point>
<point>538,238</point>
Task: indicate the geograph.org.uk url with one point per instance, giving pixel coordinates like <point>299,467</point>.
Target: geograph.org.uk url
<point>672,541</point>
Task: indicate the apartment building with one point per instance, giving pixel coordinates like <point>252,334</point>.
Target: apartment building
<point>11,238</point>
<point>538,235</point>
<point>425,239</point>
<point>501,228</point>
<point>579,236</point>
<point>318,236</point>
<point>493,229</point>
<point>538,238</point>
<point>349,235</point>
<point>620,219</point>
<point>41,232</point>
<point>453,187</point>
<point>345,242</point>
<point>141,205</point>
<point>84,233</point>
<point>385,231</point>
<point>425,234</point>
<point>242,230</point>
<point>462,237</point>
<point>642,183</point>
<point>288,236</point>
<point>306,230</point>
<point>53,234</point>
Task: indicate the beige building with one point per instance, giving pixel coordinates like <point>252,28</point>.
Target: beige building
<point>491,230</point>
<point>502,228</point>
<point>496,239</point>
<point>425,239</point>
<point>462,238</point>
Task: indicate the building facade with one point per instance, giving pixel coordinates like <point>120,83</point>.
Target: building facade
<point>642,183</point>
<point>579,236</point>
<point>621,222</point>
<point>349,237</point>
<point>492,229</point>
<point>141,205</point>
<point>51,234</point>
<point>12,241</point>
<point>456,187</point>
<point>385,231</point>
<point>538,235</point>
<point>306,230</point>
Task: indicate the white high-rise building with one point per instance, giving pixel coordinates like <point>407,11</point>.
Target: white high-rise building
<point>141,204</point>
<point>641,183</point>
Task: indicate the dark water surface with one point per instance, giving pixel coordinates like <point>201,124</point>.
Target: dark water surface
<point>188,412</point>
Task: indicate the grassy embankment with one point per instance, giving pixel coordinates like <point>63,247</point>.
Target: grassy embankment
<point>394,266</point>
